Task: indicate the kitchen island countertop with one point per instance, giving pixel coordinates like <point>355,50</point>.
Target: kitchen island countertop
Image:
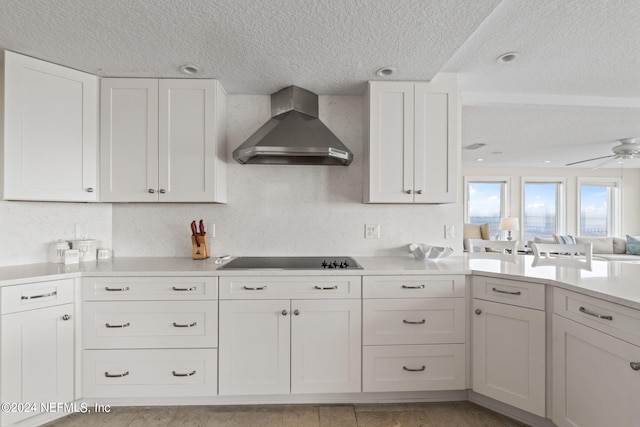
<point>617,282</point>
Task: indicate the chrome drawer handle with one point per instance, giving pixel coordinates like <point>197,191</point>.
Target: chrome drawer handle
<point>414,370</point>
<point>257,288</point>
<point>122,289</point>
<point>414,323</point>
<point>185,325</point>
<point>635,366</point>
<point>320,288</point>
<point>108,375</point>
<point>124,325</point>
<point>184,289</point>
<point>412,287</point>
<point>500,291</point>
<point>66,317</point>
<point>599,316</point>
<point>50,294</point>
<point>175,374</point>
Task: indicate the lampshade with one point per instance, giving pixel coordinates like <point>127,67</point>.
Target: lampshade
<point>509,224</point>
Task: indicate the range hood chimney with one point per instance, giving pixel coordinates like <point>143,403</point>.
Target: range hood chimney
<point>294,135</point>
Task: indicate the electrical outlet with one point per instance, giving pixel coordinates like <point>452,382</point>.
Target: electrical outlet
<point>210,229</point>
<point>372,231</point>
<point>448,232</point>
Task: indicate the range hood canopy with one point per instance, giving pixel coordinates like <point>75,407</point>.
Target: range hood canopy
<point>294,135</point>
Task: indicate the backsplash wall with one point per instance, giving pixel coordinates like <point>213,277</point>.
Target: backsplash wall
<point>287,210</point>
<point>27,228</point>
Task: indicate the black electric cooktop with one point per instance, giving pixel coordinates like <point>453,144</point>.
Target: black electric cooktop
<point>292,263</point>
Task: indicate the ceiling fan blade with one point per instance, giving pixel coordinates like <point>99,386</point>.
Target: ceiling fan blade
<point>589,160</point>
<point>599,165</point>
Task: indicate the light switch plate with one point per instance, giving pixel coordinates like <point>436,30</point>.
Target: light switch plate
<point>448,232</point>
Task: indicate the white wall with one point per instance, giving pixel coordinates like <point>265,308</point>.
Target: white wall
<point>287,210</point>
<point>629,194</point>
<point>27,228</point>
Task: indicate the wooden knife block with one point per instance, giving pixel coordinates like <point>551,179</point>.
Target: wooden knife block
<point>202,251</point>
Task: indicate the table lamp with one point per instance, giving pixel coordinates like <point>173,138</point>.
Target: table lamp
<point>509,224</point>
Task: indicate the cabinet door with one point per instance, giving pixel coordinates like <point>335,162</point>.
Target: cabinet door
<point>436,150</point>
<point>50,131</point>
<point>389,153</point>
<point>509,354</point>
<point>129,140</point>
<point>37,358</point>
<point>254,347</point>
<point>593,382</point>
<point>325,346</point>
<point>190,163</point>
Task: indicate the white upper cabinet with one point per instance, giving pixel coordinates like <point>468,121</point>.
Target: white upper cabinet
<point>413,132</point>
<point>162,140</point>
<point>49,121</point>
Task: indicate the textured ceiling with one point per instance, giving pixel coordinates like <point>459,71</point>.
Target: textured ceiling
<point>583,56</point>
<point>252,47</point>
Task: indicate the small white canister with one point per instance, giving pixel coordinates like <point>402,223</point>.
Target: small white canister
<point>87,249</point>
<point>56,251</point>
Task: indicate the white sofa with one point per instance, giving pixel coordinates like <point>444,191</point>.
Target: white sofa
<point>604,248</point>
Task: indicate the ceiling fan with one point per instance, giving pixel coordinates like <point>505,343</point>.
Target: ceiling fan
<point>627,149</point>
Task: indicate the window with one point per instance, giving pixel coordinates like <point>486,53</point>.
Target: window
<point>599,207</point>
<point>486,202</point>
<point>542,208</point>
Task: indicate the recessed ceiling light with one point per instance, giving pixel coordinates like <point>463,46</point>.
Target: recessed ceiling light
<point>189,69</point>
<point>474,146</point>
<point>386,71</point>
<point>547,161</point>
<point>507,57</point>
<point>479,160</point>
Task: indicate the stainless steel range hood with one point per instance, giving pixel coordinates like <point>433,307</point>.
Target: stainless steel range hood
<point>294,135</point>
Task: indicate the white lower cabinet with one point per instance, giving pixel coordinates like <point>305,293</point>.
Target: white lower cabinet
<point>150,337</point>
<point>281,346</point>
<point>509,343</point>
<point>37,348</point>
<point>413,333</point>
<point>596,375</point>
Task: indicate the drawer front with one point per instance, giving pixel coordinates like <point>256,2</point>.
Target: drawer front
<point>36,295</point>
<point>149,288</point>
<point>128,324</point>
<point>413,321</point>
<point>290,287</point>
<point>413,286</point>
<point>514,292</point>
<point>149,373</point>
<point>619,321</point>
<point>413,367</point>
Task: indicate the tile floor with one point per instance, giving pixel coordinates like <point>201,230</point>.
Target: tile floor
<point>458,414</point>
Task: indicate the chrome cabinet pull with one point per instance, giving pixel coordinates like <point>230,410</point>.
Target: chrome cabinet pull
<point>296,312</point>
<point>478,311</point>
<point>419,192</point>
<point>66,317</point>
<point>408,191</point>
<point>320,288</point>
<point>175,374</point>
<point>185,325</point>
<point>124,325</point>
<point>635,366</point>
<point>257,288</point>
<point>412,287</point>
<point>284,312</point>
<point>90,190</point>
<point>414,370</point>
<point>420,322</point>
<point>50,294</point>
<point>108,375</point>
<point>122,289</point>
<point>151,191</point>
<point>162,191</point>
<point>599,316</point>
<point>184,289</point>
<point>500,291</point>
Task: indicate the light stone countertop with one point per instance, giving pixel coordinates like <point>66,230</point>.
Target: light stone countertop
<point>617,282</point>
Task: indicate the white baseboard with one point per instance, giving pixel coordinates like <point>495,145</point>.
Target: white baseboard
<point>509,411</point>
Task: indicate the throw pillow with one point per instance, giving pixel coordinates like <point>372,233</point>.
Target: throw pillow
<point>472,231</point>
<point>567,239</point>
<point>537,239</point>
<point>633,245</point>
<point>619,245</point>
<point>600,245</point>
